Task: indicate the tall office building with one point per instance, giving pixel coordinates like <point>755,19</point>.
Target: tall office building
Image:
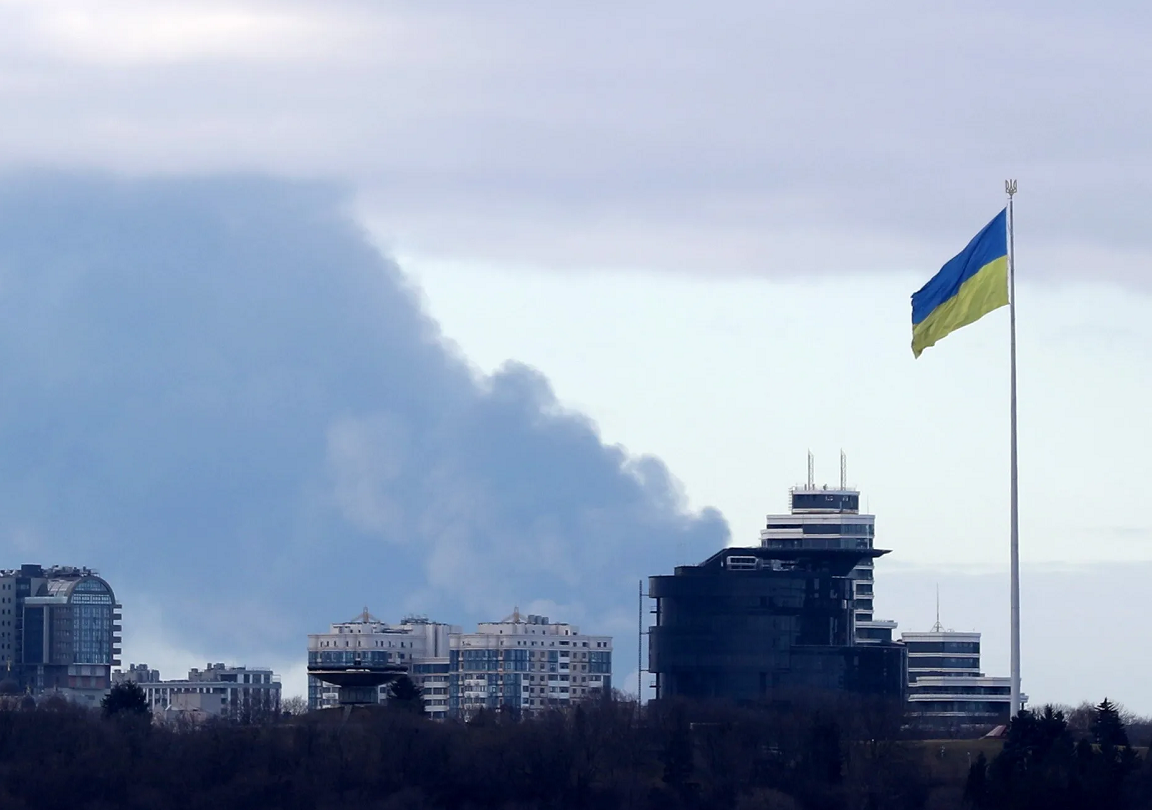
<point>821,517</point>
<point>59,630</point>
<point>527,664</point>
<point>751,624</point>
<point>417,645</point>
<point>945,685</point>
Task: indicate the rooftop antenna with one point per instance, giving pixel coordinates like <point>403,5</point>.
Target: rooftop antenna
<point>843,470</point>
<point>811,472</point>
<point>937,628</point>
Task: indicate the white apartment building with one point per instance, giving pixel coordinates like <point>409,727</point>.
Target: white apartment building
<point>945,684</point>
<point>416,643</point>
<point>215,691</point>
<point>525,664</point>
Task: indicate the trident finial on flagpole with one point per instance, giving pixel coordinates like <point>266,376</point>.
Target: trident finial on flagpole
<point>1010,187</point>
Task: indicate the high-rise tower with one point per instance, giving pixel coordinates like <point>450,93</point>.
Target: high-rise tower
<point>823,517</point>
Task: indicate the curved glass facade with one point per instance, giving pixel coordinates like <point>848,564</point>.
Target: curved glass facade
<point>91,601</point>
<point>67,634</point>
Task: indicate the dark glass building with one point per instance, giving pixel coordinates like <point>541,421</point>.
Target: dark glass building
<point>830,517</point>
<point>751,623</point>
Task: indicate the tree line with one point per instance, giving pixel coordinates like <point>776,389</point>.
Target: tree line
<point>1044,765</point>
<point>805,752</point>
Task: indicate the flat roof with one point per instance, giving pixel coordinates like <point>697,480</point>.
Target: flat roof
<point>839,561</point>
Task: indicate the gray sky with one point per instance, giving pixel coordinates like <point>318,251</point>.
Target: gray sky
<point>702,225</point>
<point>734,137</point>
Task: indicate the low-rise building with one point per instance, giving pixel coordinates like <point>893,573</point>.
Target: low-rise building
<point>946,688</point>
<point>526,664</point>
<point>215,691</point>
<point>136,673</point>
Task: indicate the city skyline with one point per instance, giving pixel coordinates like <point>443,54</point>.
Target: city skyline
<point>467,308</point>
<point>352,460</point>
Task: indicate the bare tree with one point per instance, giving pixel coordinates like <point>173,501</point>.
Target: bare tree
<point>294,705</point>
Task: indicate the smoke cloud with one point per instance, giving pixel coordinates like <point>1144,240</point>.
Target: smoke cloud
<point>220,395</point>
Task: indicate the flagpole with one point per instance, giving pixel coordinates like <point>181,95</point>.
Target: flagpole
<point>1010,189</point>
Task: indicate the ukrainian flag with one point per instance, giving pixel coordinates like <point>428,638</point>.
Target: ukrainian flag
<point>967,288</point>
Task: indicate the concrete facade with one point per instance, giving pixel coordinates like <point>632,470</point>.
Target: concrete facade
<point>526,664</point>
<point>234,692</point>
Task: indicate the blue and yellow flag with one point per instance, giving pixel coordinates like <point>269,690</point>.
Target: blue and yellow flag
<point>967,288</point>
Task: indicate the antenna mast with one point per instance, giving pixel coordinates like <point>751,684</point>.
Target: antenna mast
<point>937,628</point>
<point>811,472</point>
<point>843,470</point>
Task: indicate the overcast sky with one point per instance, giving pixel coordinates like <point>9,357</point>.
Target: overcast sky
<point>699,225</point>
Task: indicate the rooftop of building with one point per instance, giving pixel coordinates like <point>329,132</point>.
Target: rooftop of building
<point>810,498</point>
<point>414,628</point>
<point>821,489</point>
<point>60,591</point>
<point>215,673</point>
<point>137,673</point>
<point>760,559</point>
<point>517,623</point>
<point>210,667</point>
<point>367,628</point>
<point>366,623</point>
<point>940,635</point>
<point>35,571</point>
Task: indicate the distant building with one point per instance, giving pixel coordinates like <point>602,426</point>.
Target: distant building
<point>820,517</point>
<point>59,631</point>
<point>946,688</point>
<point>526,664</point>
<point>215,691</point>
<point>751,624</point>
<point>371,652</point>
<point>136,673</point>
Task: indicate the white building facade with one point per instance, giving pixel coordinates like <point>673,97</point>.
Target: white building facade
<point>215,691</point>
<point>526,664</point>
<point>420,645</point>
<point>945,685</point>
